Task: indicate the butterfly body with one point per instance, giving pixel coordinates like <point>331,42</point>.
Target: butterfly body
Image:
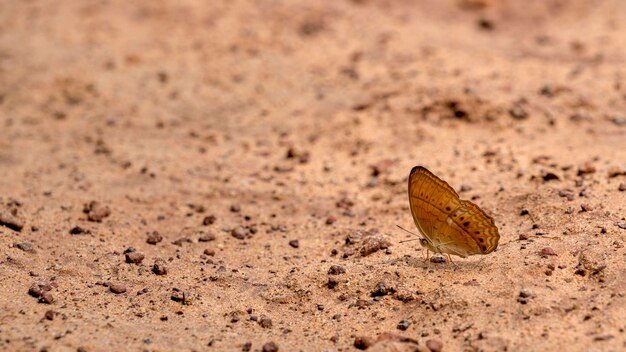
<point>449,224</point>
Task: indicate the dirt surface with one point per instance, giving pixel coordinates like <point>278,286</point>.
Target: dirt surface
<point>227,175</point>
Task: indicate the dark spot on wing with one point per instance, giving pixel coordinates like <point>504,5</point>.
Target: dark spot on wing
<point>465,223</point>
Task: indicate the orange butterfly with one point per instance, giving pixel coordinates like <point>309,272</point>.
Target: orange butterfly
<point>449,224</point>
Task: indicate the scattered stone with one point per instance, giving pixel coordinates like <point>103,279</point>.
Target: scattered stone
<point>546,252</point>
<point>117,288</point>
<point>403,325</point>
<point>332,283</point>
<point>567,193</point>
<point>294,243</point>
<point>239,232</point>
<point>235,208</point>
<point>209,252</point>
<point>96,211</point>
<point>301,156</point>
<point>437,259</point>
<point>25,246</point>
<point>586,207</point>
<point>265,322</point>
<point>434,345</point>
<point>621,224</point>
<point>373,244</point>
<point>619,120</point>
<point>181,296</point>
<point>578,117</point>
<point>46,297</point>
<point>363,342</point>
<point>209,220</point>
<point>11,221</point>
<point>159,267</point>
<point>270,347</point>
<point>330,220</point>
<point>246,347</point>
<point>382,289</point>
<point>336,270</point>
<point>523,237</point>
<point>465,188</point>
<point>134,257</point>
<point>622,187</point>
<point>549,176</point>
<point>179,242</point>
<point>206,237</point>
<point>344,203</point>
<point>615,171</point>
<point>518,112</point>
<point>524,296</point>
<point>524,212</point>
<point>50,314</point>
<point>586,168</point>
<point>77,230</point>
<point>154,237</point>
<point>36,290</point>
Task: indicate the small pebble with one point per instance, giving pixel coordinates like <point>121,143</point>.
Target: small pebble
<point>209,252</point>
<point>363,342</point>
<point>622,187</point>
<point>246,347</point>
<point>382,289</point>
<point>294,243</point>
<point>50,314</point>
<point>25,246</point>
<point>134,257</point>
<point>238,232</point>
<point>46,297</point>
<point>403,325</point>
<point>523,237</point>
<point>117,288</point>
<point>209,220</point>
<point>546,252</point>
<point>336,270</point>
<point>586,207</point>
<point>615,171</point>
<point>434,345</point>
<point>206,237</point>
<point>159,268</point>
<point>265,322</point>
<point>586,168</point>
<point>235,208</point>
<point>270,347</point>
<point>9,220</point>
<point>77,230</point>
<point>96,211</point>
<point>465,188</point>
<point>330,220</point>
<point>154,237</point>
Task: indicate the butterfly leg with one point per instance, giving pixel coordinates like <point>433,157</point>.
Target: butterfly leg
<point>450,260</point>
<point>427,259</point>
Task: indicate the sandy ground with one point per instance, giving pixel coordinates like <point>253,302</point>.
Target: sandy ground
<point>228,175</point>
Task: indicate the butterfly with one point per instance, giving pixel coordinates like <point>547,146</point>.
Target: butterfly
<point>448,224</point>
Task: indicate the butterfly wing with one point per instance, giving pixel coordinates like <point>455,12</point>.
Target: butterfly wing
<point>431,200</point>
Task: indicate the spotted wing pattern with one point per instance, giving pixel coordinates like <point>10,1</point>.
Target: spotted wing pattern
<point>450,224</point>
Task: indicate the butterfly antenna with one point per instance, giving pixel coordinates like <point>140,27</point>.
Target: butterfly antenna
<point>412,233</point>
